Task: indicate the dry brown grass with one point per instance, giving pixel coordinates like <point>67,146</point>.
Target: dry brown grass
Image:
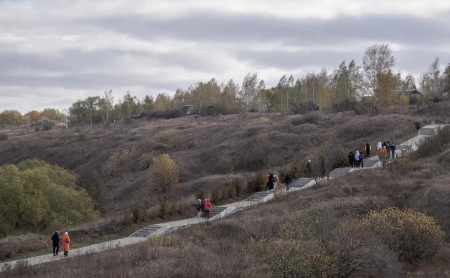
<point>246,141</point>
<point>320,221</point>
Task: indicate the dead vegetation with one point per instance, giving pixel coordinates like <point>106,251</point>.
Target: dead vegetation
<point>112,162</point>
<point>337,229</point>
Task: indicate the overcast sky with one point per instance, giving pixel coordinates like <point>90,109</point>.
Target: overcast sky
<point>54,52</point>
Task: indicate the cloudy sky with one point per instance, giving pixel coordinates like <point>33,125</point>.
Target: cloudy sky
<point>54,52</point>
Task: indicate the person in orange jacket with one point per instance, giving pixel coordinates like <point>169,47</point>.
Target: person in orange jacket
<point>207,207</point>
<point>65,240</point>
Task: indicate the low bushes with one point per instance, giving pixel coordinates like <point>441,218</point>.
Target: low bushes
<point>434,144</point>
<point>414,236</point>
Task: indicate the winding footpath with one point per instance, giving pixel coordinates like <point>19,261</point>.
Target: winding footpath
<point>216,212</point>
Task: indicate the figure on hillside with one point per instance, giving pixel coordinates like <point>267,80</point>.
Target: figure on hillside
<point>55,240</point>
<point>384,144</point>
<point>361,159</point>
<point>207,208</point>
<point>357,158</point>
<point>388,149</point>
<point>380,153</point>
<point>276,181</point>
<point>309,168</point>
<point>383,155</point>
<point>269,182</point>
<point>287,181</point>
<point>199,208</point>
<point>65,240</point>
<point>379,146</point>
<point>351,159</point>
<point>393,148</point>
<point>368,149</point>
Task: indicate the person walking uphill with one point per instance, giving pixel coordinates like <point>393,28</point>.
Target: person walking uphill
<point>199,208</point>
<point>55,240</point>
<point>207,207</point>
<point>368,149</point>
<point>65,240</point>
<point>287,181</point>
<point>269,182</point>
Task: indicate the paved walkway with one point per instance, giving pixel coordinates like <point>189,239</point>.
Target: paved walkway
<point>217,212</point>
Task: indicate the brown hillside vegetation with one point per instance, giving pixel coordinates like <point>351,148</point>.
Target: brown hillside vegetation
<point>387,222</point>
<point>201,146</point>
<point>217,156</point>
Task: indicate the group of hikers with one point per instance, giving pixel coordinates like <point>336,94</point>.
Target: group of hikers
<point>65,241</point>
<point>272,181</point>
<point>386,150</point>
<point>356,158</point>
<point>203,208</point>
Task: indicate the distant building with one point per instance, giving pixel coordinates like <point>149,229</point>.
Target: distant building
<point>414,95</point>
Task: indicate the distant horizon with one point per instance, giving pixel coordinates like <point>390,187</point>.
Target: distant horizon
<point>55,53</point>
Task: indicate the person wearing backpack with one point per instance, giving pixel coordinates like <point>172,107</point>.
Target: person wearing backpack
<point>270,182</point>
<point>361,159</point>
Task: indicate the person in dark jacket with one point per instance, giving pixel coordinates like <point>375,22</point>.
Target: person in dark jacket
<point>393,148</point>
<point>309,168</point>
<point>388,149</point>
<point>351,159</point>
<point>55,240</point>
<point>270,182</point>
<point>368,149</point>
<point>199,208</point>
<point>287,181</point>
<point>361,159</point>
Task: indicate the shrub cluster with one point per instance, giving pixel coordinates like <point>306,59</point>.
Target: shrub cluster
<point>38,196</point>
<point>413,236</point>
<point>126,160</point>
<point>434,144</point>
<point>227,191</point>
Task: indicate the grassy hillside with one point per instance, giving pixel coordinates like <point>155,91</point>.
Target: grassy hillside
<point>210,152</point>
<point>321,231</point>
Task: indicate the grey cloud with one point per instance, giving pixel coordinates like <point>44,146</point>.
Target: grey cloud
<point>252,28</point>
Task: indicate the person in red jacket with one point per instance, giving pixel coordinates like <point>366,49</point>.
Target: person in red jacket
<point>207,208</point>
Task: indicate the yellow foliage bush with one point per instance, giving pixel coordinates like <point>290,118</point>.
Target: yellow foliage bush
<point>414,236</point>
<point>163,172</point>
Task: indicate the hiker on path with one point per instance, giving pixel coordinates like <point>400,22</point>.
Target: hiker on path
<point>276,181</point>
<point>379,146</point>
<point>199,208</point>
<point>383,154</point>
<point>65,240</point>
<point>55,240</point>
<point>380,153</point>
<point>357,158</point>
<point>207,208</point>
<point>351,159</point>
<point>368,149</point>
<point>393,148</point>
<point>287,181</point>
<point>309,168</point>
<point>388,149</point>
<point>361,159</point>
<point>269,183</point>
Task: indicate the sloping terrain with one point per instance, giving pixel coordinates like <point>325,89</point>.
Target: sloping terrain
<point>315,232</point>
